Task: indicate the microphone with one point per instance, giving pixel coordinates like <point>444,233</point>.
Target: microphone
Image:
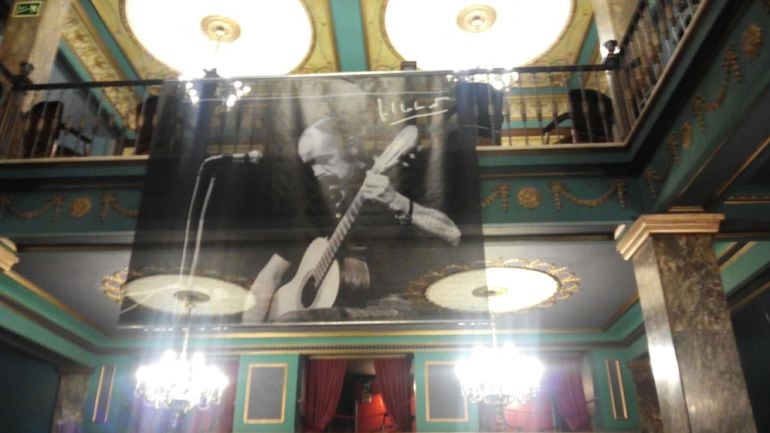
<point>251,157</point>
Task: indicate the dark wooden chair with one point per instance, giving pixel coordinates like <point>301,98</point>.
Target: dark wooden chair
<point>44,129</point>
<point>483,110</point>
<point>145,115</point>
<point>591,115</point>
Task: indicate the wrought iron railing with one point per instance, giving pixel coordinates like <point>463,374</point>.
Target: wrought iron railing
<point>542,107</point>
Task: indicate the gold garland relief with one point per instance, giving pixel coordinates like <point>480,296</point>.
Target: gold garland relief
<point>110,201</point>
<point>732,69</point>
<point>54,204</point>
<point>500,191</point>
<point>560,190</point>
<point>752,41</point>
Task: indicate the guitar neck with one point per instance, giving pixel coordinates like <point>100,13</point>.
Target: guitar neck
<point>335,240</point>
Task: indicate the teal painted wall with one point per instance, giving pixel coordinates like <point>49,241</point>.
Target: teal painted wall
<point>121,397</point>
<point>290,423</point>
<point>421,412</point>
<point>28,396</point>
<point>349,35</point>
<point>603,419</point>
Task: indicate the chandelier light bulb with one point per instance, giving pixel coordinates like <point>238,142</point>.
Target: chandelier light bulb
<point>499,375</point>
<point>180,382</point>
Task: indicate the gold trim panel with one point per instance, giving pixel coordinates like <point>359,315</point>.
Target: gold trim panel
<point>619,377</point>
<point>678,223</point>
<point>428,418</point>
<point>246,419</point>
<point>737,255</point>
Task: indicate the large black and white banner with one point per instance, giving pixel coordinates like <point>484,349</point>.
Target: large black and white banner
<point>314,199</point>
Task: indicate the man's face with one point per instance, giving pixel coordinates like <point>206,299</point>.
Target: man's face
<point>327,158</point>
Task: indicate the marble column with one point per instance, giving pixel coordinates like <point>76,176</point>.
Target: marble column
<point>34,39</point>
<point>70,403</point>
<point>646,397</point>
<point>692,347</point>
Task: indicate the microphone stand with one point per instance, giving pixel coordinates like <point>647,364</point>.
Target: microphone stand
<point>251,157</point>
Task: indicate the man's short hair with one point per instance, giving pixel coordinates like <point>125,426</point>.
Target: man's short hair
<point>320,135</point>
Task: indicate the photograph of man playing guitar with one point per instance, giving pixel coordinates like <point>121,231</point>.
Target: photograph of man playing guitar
<point>350,187</point>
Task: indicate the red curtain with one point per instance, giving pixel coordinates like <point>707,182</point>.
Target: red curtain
<point>324,386</point>
<point>566,386</point>
<point>535,415</point>
<point>396,381</point>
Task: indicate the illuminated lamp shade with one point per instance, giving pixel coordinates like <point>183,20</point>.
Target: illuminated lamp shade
<point>467,34</point>
<point>499,376</point>
<point>237,37</point>
<point>498,286</point>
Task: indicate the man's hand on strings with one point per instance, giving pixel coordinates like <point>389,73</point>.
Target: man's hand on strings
<point>377,187</point>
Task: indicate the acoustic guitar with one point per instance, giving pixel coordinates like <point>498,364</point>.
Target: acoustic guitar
<point>317,281</point>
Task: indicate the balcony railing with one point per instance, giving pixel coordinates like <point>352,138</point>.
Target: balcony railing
<point>534,108</point>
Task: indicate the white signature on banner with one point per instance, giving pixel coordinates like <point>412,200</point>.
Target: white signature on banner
<point>392,112</point>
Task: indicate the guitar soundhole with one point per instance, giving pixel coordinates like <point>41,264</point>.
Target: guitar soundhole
<point>309,292</point>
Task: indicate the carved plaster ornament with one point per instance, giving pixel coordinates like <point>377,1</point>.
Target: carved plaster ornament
<point>529,197</point>
<point>80,207</point>
<point>752,41</point>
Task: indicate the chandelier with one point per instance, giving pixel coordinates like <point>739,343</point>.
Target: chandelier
<point>181,382</point>
<point>499,376</point>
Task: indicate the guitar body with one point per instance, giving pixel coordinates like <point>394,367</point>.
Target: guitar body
<point>303,292</point>
<point>289,297</point>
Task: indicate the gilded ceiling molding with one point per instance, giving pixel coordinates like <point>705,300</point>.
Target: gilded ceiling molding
<point>54,204</point>
<point>112,13</point>
<point>733,254</point>
<point>676,223</point>
<point>8,257</point>
<point>380,54</point>
<point>748,199</point>
<point>322,57</point>
<point>566,49</point>
<point>560,190</point>
<point>80,35</point>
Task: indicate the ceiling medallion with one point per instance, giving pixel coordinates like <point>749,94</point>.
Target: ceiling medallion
<point>496,286</point>
<point>220,29</point>
<point>476,18</point>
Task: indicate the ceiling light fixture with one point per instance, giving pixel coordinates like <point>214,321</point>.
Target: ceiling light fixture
<point>181,382</point>
<point>237,37</point>
<point>498,286</point>
<point>499,376</point>
<point>468,34</point>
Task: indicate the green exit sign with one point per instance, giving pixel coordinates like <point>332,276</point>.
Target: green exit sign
<point>27,9</point>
